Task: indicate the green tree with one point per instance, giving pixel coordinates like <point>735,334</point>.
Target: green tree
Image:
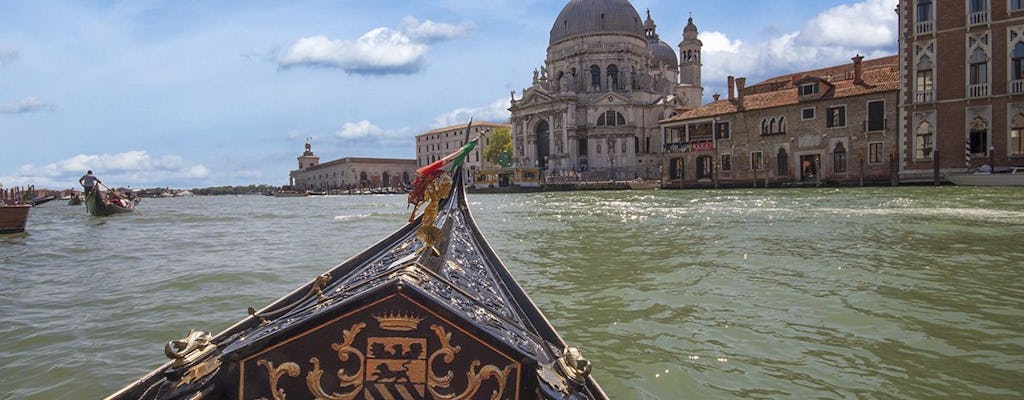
<point>499,141</point>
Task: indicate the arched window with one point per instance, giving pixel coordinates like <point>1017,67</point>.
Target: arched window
<point>764,126</point>
<point>595,78</point>
<point>610,118</point>
<point>978,67</point>
<point>839,158</point>
<point>1017,62</point>
<point>771,126</point>
<point>782,124</point>
<point>613,77</point>
<point>363,177</point>
<point>924,136</point>
<point>782,163</point>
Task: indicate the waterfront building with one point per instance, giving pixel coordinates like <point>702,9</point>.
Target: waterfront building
<point>350,173</point>
<point>962,98</point>
<point>826,126</point>
<point>435,144</point>
<point>593,108</point>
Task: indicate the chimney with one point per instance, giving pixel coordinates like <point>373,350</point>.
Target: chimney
<point>715,96</point>
<point>858,70</point>
<point>740,84</point>
<point>732,90</point>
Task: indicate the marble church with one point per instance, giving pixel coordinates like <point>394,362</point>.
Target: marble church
<point>592,111</point>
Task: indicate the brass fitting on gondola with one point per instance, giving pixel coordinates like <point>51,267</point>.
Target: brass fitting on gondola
<point>190,348</point>
<point>576,368</point>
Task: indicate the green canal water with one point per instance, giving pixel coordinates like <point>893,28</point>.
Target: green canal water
<point>873,293</point>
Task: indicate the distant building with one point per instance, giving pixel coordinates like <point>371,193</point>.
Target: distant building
<point>594,106</point>
<point>962,98</point>
<point>350,173</point>
<point>831,125</point>
<point>435,144</point>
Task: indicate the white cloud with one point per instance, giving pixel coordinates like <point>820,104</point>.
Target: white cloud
<point>135,168</point>
<point>379,51</point>
<point>357,130</point>
<point>429,31</point>
<point>8,55</point>
<point>496,111</point>
<point>831,38</point>
<point>26,105</point>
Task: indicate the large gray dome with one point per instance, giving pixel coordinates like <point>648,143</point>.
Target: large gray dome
<point>663,53</point>
<point>587,17</point>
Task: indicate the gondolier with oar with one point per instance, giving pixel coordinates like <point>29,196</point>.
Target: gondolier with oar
<point>89,181</point>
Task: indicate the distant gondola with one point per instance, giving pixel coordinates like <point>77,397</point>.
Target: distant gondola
<point>13,217</point>
<point>430,312</point>
<point>102,203</point>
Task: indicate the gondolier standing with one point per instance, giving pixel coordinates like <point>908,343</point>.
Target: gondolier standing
<point>89,181</point>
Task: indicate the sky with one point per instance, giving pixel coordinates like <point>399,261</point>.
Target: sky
<point>187,94</point>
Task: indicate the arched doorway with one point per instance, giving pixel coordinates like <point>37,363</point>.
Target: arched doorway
<point>705,168</point>
<point>543,132</point>
<point>386,178</point>
<point>782,163</point>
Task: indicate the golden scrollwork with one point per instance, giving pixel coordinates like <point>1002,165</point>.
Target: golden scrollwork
<point>474,378</point>
<point>345,350</point>
<point>275,373</point>
<point>198,371</point>
<point>429,234</point>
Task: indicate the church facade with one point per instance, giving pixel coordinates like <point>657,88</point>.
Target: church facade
<point>594,107</point>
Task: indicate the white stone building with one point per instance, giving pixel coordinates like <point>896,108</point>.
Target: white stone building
<point>350,173</point>
<point>595,104</point>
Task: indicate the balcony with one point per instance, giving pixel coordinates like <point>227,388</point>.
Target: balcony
<point>924,96</point>
<point>979,90</point>
<point>977,18</point>
<point>923,27</point>
<point>1017,86</point>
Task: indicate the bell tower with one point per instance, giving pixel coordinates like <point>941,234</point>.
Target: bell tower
<point>689,66</point>
<point>308,159</point>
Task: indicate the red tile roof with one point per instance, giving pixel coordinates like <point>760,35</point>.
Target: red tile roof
<point>879,75</point>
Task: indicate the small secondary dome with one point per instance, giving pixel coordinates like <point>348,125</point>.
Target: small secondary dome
<point>588,17</point>
<point>664,54</point>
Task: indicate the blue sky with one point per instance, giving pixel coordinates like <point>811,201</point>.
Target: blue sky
<point>190,94</point>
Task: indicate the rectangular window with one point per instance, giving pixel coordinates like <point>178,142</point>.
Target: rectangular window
<point>978,5</point>
<point>924,146</point>
<point>979,142</point>
<point>1016,5</point>
<point>1017,140</point>
<point>876,115</point>
<point>598,148</point>
<point>582,146</point>
<point>722,131</point>
<point>875,153</point>
<point>924,10</point>
<point>756,158</point>
<point>836,117</point>
<point>924,85</point>
<point>808,113</point>
<point>726,162</point>
<point>839,162</point>
<point>808,89</point>
<point>979,73</point>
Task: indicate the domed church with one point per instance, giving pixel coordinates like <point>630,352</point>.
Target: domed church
<point>594,106</point>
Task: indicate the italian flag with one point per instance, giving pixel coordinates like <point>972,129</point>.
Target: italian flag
<point>427,174</point>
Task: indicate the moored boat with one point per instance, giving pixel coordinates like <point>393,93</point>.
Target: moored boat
<point>428,312</point>
<point>102,203</point>
<point>289,193</point>
<point>1013,176</point>
<point>13,218</point>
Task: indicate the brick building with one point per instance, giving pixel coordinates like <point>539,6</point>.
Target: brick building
<point>962,97</point>
<point>826,126</point>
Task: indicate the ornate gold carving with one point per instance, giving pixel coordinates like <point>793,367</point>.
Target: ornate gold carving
<point>188,349</point>
<point>345,350</point>
<point>290,368</point>
<point>198,371</point>
<point>474,378</point>
<point>429,234</point>
<point>398,321</point>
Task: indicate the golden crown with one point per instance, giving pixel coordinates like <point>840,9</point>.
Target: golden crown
<point>393,321</point>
